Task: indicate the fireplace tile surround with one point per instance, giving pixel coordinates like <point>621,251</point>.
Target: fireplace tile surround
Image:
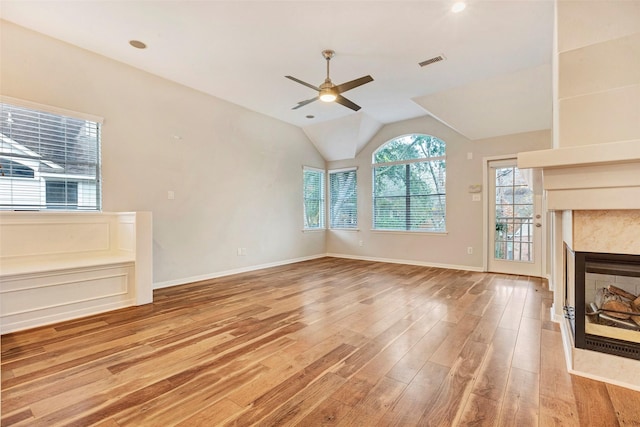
<point>603,231</point>
<point>607,231</point>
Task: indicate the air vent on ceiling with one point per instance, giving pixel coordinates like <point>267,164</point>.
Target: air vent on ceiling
<point>432,60</point>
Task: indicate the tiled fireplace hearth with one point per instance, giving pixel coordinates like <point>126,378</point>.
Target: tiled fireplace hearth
<point>592,194</point>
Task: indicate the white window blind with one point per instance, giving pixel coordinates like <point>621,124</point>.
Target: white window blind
<point>343,199</point>
<point>409,184</point>
<point>313,192</point>
<point>48,160</point>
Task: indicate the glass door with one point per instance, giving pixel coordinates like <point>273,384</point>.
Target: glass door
<point>515,221</point>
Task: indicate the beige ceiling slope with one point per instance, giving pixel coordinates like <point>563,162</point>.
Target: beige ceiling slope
<point>241,51</point>
<point>502,105</point>
<point>342,138</point>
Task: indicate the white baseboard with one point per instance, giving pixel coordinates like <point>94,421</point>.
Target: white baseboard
<point>567,342</point>
<point>214,275</point>
<point>408,262</point>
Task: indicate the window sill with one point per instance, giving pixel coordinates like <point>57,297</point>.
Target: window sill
<point>344,229</point>
<point>412,233</point>
<point>313,230</point>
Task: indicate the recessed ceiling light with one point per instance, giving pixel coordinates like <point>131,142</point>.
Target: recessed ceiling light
<point>458,7</point>
<point>310,117</point>
<point>137,44</point>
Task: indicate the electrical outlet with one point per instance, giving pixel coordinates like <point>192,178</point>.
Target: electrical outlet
<point>470,250</point>
<point>360,243</point>
<point>171,195</point>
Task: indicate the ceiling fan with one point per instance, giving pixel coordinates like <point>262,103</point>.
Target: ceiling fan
<point>328,92</point>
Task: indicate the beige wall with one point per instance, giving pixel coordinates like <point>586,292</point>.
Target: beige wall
<point>598,93</point>
<point>464,216</point>
<point>236,174</point>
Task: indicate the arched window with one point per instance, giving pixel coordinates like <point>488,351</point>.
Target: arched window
<point>409,184</point>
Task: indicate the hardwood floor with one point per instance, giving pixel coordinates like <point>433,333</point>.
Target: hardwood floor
<point>324,342</point>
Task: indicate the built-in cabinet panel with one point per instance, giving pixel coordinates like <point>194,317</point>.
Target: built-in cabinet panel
<point>57,266</point>
<point>30,300</point>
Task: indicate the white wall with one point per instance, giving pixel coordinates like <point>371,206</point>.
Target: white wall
<point>236,174</point>
<point>464,216</point>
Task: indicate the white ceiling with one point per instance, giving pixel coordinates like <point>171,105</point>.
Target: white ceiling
<point>496,78</point>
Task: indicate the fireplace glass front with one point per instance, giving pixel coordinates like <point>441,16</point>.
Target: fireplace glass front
<point>607,303</point>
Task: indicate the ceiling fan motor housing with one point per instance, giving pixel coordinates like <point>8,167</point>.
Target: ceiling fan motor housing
<point>328,54</point>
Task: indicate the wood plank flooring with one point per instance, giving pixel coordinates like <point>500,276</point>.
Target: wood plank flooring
<point>325,342</point>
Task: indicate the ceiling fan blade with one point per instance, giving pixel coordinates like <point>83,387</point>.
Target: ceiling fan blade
<point>344,101</point>
<point>353,83</point>
<point>303,83</point>
<point>303,103</point>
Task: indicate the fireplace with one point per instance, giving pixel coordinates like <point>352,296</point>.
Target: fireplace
<point>605,312</point>
<point>592,195</point>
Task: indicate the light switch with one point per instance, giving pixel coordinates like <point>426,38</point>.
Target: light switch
<point>171,195</point>
<point>476,197</point>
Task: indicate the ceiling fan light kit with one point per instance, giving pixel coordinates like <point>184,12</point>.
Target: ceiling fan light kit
<point>328,92</point>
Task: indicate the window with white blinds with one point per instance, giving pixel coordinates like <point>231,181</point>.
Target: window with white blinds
<point>313,193</point>
<point>48,160</point>
<point>409,184</point>
<point>343,198</point>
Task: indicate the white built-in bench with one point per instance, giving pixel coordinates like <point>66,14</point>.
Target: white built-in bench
<point>58,266</point>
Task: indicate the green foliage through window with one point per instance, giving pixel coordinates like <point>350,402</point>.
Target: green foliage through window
<point>313,193</point>
<point>409,184</point>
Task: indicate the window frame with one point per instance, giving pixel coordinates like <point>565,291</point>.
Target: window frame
<point>407,195</point>
<point>321,200</point>
<point>45,176</point>
<point>330,198</point>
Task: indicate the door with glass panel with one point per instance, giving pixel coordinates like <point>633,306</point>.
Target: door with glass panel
<point>515,219</point>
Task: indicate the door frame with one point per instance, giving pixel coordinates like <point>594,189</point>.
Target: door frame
<point>486,218</point>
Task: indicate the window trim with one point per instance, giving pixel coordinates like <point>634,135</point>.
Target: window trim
<point>323,200</point>
<point>59,111</point>
<point>50,109</point>
<point>407,162</point>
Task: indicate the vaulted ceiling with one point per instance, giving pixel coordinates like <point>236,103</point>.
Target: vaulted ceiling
<point>495,79</point>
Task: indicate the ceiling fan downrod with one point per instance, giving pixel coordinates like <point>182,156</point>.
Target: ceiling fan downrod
<point>328,54</point>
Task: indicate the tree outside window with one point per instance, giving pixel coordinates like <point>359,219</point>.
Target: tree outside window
<point>313,193</point>
<point>409,184</point>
